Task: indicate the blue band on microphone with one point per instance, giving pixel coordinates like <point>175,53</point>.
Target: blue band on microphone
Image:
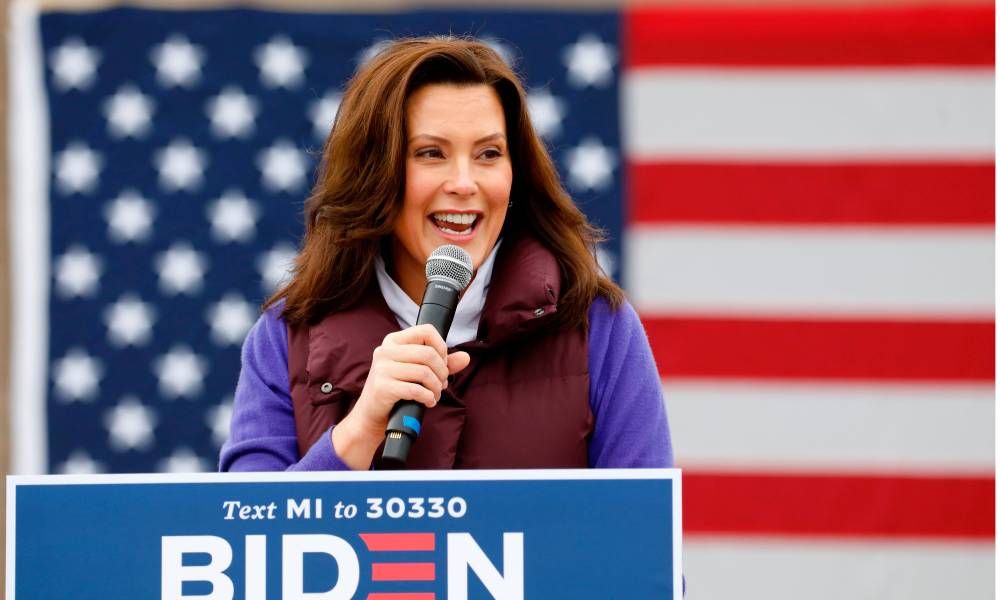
<point>411,423</point>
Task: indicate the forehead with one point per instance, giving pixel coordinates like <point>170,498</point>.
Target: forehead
<point>452,106</point>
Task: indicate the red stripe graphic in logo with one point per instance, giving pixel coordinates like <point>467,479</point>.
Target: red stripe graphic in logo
<point>401,571</point>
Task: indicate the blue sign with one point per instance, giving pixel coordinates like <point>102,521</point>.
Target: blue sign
<point>325,536</point>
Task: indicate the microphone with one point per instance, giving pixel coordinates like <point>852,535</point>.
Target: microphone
<point>449,271</point>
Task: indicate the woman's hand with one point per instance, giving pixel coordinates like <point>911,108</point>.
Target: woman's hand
<point>412,364</point>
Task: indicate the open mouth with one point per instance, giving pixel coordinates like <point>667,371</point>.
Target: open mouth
<point>455,223</point>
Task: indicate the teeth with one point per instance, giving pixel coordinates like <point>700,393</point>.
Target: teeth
<point>462,219</point>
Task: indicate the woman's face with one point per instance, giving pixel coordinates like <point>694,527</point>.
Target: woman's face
<point>458,178</point>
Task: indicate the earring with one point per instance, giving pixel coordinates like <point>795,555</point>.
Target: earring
<point>510,204</point>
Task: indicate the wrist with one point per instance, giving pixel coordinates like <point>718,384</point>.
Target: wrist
<point>356,443</point>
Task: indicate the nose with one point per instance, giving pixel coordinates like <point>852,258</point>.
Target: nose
<point>460,180</point>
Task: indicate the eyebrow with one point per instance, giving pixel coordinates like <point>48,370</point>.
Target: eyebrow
<point>490,137</point>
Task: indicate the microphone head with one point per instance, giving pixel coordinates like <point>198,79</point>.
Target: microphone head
<point>450,264</point>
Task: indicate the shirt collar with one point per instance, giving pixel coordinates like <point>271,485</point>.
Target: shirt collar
<point>470,306</point>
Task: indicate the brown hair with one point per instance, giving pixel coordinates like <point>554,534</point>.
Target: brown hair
<point>359,188</point>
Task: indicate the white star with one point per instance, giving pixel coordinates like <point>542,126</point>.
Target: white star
<point>323,113</point>
<point>591,165</point>
<point>232,113</point>
<point>128,112</point>
<point>181,166</point>
<point>74,65</point>
<point>275,266</point>
<point>233,217</point>
<point>130,425</point>
<point>590,62</point>
<point>80,463</point>
<point>129,321</point>
<point>282,167</point>
<point>77,168</point>
<point>183,460</point>
<point>547,112</point>
<point>77,273</point>
<point>77,376</point>
<point>501,48</point>
<point>373,50</point>
<point>178,62</point>
<point>181,269</point>
<point>281,63</point>
<point>129,217</point>
<point>218,419</point>
<point>180,372</point>
<point>230,319</point>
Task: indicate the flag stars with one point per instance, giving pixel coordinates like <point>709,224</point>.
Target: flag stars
<point>181,269</point>
<point>589,62</point>
<point>218,419</point>
<point>323,112</point>
<point>181,166</point>
<point>281,63</point>
<point>233,217</point>
<point>80,463</point>
<point>183,460</point>
<point>76,376</point>
<point>77,169</point>
<point>130,425</point>
<point>547,113</point>
<point>232,113</point>
<point>129,321</point>
<point>591,165</point>
<point>178,62</point>
<point>283,167</point>
<point>129,113</point>
<point>77,273</point>
<point>275,266</point>
<point>180,372</point>
<point>230,319</point>
<point>129,217</point>
<point>74,65</point>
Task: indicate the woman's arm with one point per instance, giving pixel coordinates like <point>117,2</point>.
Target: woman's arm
<point>262,433</point>
<point>626,394</point>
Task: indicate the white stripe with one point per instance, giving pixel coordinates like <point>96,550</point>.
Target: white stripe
<point>834,570</point>
<point>810,113</point>
<point>811,270</point>
<point>28,149</point>
<point>787,426</point>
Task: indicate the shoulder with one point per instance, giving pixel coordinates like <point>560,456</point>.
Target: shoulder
<point>269,333</point>
<point>606,322</point>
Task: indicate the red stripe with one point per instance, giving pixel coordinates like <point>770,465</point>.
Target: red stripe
<point>806,36</point>
<point>757,348</point>
<point>402,596</point>
<point>388,542</point>
<point>809,505</point>
<point>904,194</point>
<point>402,571</point>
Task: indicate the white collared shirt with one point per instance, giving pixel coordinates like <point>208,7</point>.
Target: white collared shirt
<point>470,305</point>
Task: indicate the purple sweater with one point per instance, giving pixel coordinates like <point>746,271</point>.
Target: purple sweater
<point>630,422</point>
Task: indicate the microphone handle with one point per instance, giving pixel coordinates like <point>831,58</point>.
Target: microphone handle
<point>437,309</point>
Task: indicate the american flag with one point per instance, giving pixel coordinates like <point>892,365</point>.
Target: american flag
<point>800,204</point>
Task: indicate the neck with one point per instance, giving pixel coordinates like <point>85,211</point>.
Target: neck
<point>407,274</point>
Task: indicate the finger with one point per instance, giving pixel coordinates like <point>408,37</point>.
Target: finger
<point>421,374</point>
<point>411,353</point>
<point>405,390</point>
<point>458,361</point>
<point>424,335</point>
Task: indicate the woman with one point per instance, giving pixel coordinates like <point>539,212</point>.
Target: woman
<point>549,365</point>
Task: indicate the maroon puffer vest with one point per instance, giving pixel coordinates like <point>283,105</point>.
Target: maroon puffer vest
<point>523,401</point>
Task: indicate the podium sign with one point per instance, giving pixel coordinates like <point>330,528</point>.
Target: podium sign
<point>416,535</point>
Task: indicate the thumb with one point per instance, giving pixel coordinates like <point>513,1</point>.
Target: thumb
<point>458,361</point>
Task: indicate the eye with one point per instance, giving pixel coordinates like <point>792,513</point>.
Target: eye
<point>428,153</point>
<point>491,153</point>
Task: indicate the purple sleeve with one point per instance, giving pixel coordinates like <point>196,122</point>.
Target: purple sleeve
<point>262,432</point>
<point>626,394</point>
